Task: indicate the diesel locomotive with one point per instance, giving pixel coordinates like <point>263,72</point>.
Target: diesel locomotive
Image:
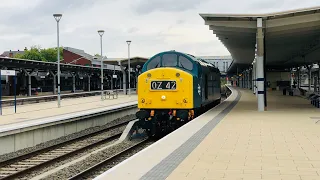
<point>173,88</point>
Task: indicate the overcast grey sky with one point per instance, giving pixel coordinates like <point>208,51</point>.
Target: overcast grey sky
<point>152,25</point>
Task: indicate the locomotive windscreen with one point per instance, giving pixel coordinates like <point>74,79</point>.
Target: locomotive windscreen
<point>170,60</point>
<point>154,63</point>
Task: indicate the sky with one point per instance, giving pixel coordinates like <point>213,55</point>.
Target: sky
<point>152,25</point>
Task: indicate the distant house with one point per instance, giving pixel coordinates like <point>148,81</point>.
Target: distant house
<point>11,54</point>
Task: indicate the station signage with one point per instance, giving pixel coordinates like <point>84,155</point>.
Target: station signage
<point>8,72</point>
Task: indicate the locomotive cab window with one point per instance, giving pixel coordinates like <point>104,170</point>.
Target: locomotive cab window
<point>185,63</point>
<point>169,60</point>
<point>154,63</point>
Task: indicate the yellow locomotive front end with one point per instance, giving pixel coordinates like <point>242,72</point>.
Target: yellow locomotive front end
<point>165,88</point>
<point>165,100</point>
<point>166,92</point>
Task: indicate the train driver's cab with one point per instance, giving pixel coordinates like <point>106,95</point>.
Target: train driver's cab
<point>170,60</point>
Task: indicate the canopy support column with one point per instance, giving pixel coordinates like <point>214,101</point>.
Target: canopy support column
<point>260,65</point>
<point>309,77</point>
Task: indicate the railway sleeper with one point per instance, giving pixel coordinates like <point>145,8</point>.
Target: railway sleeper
<point>72,147</point>
<point>21,165</point>
<point>47,155</point>
<point>26,162</point>
<point>56,152</point>
<point>12,169</point>
<point>44,159</point>
<point>61,152</point>
<point>36,160</point>
<point>7,173</point>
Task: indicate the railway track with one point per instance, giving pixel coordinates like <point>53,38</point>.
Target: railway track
<point>25,164</point>
<point>111,161</point>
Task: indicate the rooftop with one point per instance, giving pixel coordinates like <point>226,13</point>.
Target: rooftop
<point>7,53</point>
<point>216,57</point>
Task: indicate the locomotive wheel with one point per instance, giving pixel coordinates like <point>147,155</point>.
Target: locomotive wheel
<point>149,133</point>
<point>173,124</point>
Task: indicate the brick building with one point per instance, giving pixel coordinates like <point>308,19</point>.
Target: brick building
<point>76,56</point>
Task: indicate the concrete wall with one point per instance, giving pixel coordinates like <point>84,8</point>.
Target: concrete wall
<point>273,77</point>
<point>12,141</point>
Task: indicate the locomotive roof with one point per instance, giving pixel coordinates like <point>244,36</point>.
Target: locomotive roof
<point>202,62</point>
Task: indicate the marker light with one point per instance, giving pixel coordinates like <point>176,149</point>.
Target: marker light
<point>163,97</point>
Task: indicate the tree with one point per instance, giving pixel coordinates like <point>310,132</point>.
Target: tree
<point>32,54</point>
<point>18,56</point>
<point>38,54</point>
<point>50,54</point>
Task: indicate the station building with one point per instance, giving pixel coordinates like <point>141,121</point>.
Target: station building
<point>222,62</point>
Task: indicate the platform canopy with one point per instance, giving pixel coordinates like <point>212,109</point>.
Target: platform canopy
<point>14,63</point>
<point>291,38</point>
<point>134,61</point>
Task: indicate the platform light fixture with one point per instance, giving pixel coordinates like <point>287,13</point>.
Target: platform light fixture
<point>57,17</point>
<point>101,32</point>
<point>129,42</point>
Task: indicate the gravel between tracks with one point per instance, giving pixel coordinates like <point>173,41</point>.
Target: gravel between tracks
<point>63,139</point>
<point>118,160</point>
<point>75,156</point>
<point>60,163</point>
<point>91,160</point>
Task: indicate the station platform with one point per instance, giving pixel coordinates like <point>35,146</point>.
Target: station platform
<point>235,141</point>
<point>40,94</point>
<point>50,109</point>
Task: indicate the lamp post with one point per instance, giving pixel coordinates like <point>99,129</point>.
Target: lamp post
<point>58,17</point>
<point>129,42</point>
<point>101,32</point>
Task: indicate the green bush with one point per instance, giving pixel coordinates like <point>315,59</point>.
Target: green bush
<point>38,54</point>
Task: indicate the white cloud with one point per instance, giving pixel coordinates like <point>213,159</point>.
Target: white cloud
<point>18,4</point>
<point>153,26</point>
